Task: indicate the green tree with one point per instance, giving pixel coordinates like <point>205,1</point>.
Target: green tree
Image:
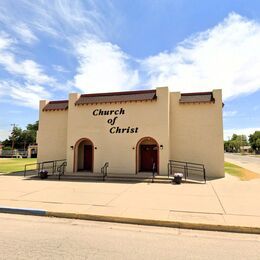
<point>30,133</point>
<point>22,138</point>
<point>254,140</point>
<point>235,143</point>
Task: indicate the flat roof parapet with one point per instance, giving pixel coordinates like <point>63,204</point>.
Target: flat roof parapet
<point>199,97</point>
<point>56,105</point>
<point>127,96</point>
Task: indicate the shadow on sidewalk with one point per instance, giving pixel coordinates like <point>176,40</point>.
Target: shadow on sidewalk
<point>54,178</point>
<point>16,174</point>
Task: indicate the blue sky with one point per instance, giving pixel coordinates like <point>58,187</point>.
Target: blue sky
<point>51,48</point>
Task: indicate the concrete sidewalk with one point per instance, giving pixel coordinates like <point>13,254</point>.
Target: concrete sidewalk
<point>227,201</point>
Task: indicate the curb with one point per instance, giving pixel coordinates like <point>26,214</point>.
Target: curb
<point>23,211</point>
<point>135,221</point>
<point>159,223</point>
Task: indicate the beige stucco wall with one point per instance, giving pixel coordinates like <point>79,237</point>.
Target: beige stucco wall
<point>197,133</point>
<point>52,134</point>
<point>150,117</point>
<point>187,132</point>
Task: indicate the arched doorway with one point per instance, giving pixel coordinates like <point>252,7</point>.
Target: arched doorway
<point>147,154</point>
<point>83,155</point>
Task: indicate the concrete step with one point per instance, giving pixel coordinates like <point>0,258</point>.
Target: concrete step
<point>118,178</point>
<point>137,178</point>
<point>80,177</point>
<point>112,177</point>
<point>140,177</point>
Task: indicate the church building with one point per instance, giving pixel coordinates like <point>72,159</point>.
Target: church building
<point>133,131</point>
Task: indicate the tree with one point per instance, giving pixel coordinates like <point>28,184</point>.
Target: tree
<point>22,138</point>
<point>29,135</point>
<point>254,140</point>
<point>240,139</point>
<point>234,145</point>
<point>14,137</point>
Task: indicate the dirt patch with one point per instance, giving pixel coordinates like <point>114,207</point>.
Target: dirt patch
<point>242,173</point>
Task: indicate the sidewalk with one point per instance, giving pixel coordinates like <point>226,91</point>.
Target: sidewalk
<point>227,201</point>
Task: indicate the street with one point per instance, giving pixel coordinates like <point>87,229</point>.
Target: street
<point>28,237</point>
<point>248,162</point>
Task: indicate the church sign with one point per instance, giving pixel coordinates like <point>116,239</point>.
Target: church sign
<point>112,121</point>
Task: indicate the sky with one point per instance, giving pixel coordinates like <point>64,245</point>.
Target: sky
<point>51,48</point>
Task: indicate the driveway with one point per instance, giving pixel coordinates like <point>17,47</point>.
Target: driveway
<point>246,161</point>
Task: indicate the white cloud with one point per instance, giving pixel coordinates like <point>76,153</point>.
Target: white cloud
<point>59,68</point>
<point>25,85</point>
<point>22,94</point>
<point>5,41</point>
<point>226,56</point>
<point>229,113</point>
<point>27,94</point>
<point>3,89</point>
<point>28,69</point>
<point>239,131</point>
<point>60,18</point>
<point>25,33</point>
<point>103,67</point>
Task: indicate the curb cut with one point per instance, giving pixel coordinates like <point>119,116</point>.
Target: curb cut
<point>135,221</point>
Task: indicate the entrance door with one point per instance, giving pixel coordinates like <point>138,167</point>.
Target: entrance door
<point>88,157</point>
<point>148,157</point>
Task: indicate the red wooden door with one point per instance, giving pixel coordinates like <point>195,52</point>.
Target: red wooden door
<point>88,157</point>
<point>148,157</point>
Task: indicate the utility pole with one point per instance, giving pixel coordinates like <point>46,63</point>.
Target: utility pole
<point>242,147</point>
<point>13,125</point>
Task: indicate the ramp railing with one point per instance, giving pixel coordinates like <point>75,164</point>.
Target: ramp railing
<point>188,169</point>
<point>50,166</point>
<point>104,170</point>
<point>61,169</point>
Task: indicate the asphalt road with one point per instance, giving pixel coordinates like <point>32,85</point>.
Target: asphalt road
<point>248,162</point>
<point>28,237</point>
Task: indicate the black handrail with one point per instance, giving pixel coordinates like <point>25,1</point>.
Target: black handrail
<point>31,164</point>
<point>104,170</point>
<point>186,167</point>
<point>44,165</point>
<point>61,169</point>
<point>154,169</point>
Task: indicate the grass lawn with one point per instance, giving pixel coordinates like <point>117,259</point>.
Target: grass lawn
<point>8,165</point>
<point>242,173</point>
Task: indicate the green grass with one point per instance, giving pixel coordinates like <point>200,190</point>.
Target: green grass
<point>242,173</point>
<point>9,165</point>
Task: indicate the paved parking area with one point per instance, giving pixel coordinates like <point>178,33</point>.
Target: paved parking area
<point>246,161</point>
<point>223,201</point>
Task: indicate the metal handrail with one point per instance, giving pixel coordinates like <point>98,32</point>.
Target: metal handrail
<point>186,167</point>
<point>186,162</point>
<point>61,169</point>
<point>104,170</point>
<point>42,166</point>
<point>31,164</point>
<point>154,168</point>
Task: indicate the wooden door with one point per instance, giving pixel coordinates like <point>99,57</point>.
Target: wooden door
<point>88,158</point>
<point>148,154</point>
